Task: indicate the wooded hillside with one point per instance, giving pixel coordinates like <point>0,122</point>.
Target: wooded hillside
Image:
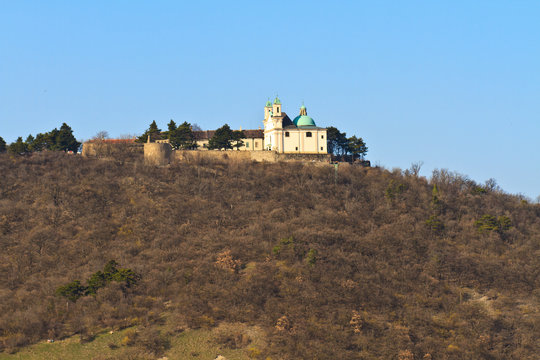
<point>373,265</point>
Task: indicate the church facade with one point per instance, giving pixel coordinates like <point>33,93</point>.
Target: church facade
<point>300,135</point>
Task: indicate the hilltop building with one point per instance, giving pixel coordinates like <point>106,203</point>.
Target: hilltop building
<point>283,135</point>
<point>282,139</point>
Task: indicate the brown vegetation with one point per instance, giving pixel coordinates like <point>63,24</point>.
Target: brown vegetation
<point>375,265</point>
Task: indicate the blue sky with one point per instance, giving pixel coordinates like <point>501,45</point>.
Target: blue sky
<point>455,84</point>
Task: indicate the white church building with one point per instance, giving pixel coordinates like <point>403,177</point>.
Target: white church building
<point>283,135</point>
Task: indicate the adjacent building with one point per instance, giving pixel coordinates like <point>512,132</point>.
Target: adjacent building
<point>253,139</point>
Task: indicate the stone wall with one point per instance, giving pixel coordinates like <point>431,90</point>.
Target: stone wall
<point>107,149</point>
<point>162,154</point>
<point>261,156</point>
<point>196,155</point>
<point>157,154</point>
<point>305,157</point>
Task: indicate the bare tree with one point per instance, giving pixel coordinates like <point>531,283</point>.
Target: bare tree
<point>101,135</point>
<point>415,168</point>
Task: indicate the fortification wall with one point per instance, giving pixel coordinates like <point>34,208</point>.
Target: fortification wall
<point>195,155</point>
<point>162,154</point>
<point>305,157</point>
<point>105,149</point>
<point>157,154</point>
<point>260,156</point>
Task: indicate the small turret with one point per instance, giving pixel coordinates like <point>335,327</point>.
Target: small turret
<point>276,108</point>
<point>303,110</point>
<point>267,109</point>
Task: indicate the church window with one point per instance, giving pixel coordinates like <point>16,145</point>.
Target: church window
<point>321,147</point>
<point>278,109</point>
<point>247,144</point>
<point>322,136</point>
<point>297,148</point>
<point>308,134</point>
<point>286,134</point>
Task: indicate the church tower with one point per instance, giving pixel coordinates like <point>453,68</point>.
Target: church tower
<point>276,108</point>
<point>267,110</point>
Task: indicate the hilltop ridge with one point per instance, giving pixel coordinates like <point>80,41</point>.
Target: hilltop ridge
<point>371,264</point>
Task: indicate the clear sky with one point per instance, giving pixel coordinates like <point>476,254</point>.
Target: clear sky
<point>455,84</point>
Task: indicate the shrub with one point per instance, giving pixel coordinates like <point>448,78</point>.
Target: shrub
<point>72,291</point>
<point>491,223</point>
<point>311,257</point>
<point>435,224</point>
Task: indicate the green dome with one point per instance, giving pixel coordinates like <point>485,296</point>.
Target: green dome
<point>303,120</point>
<point>277,101</point>
<point>268,104</point>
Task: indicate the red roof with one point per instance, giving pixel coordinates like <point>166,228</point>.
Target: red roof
<point>207,134</point>
<point>112,141</point>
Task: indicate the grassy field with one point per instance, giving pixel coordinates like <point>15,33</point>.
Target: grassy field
<point>192,344</point>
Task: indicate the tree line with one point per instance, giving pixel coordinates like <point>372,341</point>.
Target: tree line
<point>55,140</point>
<point>182,137</point>
<point>340,145</point>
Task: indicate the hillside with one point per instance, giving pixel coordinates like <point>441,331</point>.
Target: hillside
<point>371,265</point>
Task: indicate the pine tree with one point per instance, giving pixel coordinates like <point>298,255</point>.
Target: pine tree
<point>172,126</point>
<point>337,141</point>
<point>153,131</point>
<point>357,147</point>
<point>238,135</point>
<point>43,142</point>
<point>2,145</point>
<point>18,147</point>
<point>30,142</point>
<point>222,139</point>
<point>182,137</point>
<point>65,141</point>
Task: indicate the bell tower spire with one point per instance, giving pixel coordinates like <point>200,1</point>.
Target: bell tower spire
<point>276,107</point>
<point>303,110</point>
<point>267,109</point>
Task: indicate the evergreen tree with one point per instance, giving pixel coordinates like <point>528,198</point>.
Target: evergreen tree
<point>30,142</point>
<point>171,126</point>
<point>153,131</point>
<point>357,147</point>
<point>65,140</point>
<point>182,137</point>
<point>222,139</point>
<point>337,141</point>
<point>43,142</point>
<point>238,135</point>
<point>18,147</point>
<point>72,291</point>
<point>2,145</point>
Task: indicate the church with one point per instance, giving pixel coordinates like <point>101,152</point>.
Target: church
<point>283,135</point>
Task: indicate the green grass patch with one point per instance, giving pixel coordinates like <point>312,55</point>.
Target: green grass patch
<point>190,344</point>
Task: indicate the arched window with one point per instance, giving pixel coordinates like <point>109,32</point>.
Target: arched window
<point>287,134</point>
<point>308,134</point>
